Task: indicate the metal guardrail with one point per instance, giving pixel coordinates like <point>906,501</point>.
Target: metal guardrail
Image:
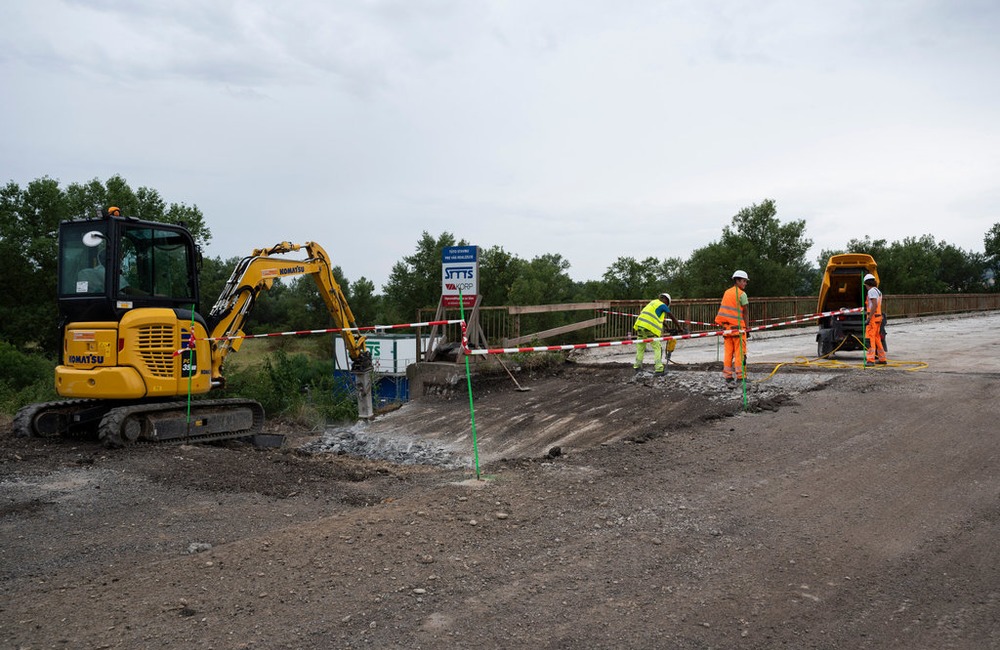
<point>502,325</point>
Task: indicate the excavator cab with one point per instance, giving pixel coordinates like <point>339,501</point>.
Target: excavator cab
<point>112,265</point>
<point>128,306</point>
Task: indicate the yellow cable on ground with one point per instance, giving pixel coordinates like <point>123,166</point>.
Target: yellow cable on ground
<point>833,364</point>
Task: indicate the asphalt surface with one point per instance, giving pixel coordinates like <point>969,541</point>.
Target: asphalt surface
<point>955,343</point>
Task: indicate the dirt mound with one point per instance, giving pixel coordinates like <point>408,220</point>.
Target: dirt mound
<point>572,406</point>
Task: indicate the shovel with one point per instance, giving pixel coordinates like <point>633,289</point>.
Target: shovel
<point>519,387</point>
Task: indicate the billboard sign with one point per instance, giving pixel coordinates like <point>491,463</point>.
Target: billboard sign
<point>459,275</point>
<point>391,353</point>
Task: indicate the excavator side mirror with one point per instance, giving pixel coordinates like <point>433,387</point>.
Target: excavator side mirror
<point>93,239</point>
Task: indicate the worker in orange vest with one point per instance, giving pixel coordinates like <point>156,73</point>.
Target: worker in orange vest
<point>734,315</point>
<point>873,327</point>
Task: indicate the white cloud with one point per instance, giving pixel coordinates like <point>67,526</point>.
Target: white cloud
<point>593,129</point>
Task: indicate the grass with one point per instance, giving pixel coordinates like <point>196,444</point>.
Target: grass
<point>293,379</point>
<point>254,351</point>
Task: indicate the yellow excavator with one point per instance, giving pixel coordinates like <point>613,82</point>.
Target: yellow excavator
<point>137,353</point>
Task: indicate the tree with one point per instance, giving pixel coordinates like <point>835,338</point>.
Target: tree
<point>498,270</point>
<point>960,271</point>
<point>630,279</point>
<point>589,290</point>
<point>708,271</point>
<point>877,248</point>
<point>365,304</point>
<point>773,255</point>
<point>87,200</point>
<point>415,282</point>
<point>543,281</point>
<point>214,274</point>
<point>275,310</point>
<point>625,278</point>
<point>29,223</point>
<point>912,267</point>
<point>922,265</point>
<point>991,243</point>
<point>670,271</point>
<point>773,252</point>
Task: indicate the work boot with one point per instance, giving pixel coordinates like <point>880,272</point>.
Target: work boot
<point>659,373</point>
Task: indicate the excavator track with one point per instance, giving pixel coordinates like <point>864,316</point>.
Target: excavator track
<point>118,425</point>
<point>73,417</point>
<point>172,423</point>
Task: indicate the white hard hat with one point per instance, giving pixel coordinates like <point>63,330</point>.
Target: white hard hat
<point>869,277</point>
<point>740,274</point>
<point>665,297</point>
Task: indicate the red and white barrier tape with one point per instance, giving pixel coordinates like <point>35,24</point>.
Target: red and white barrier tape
<point>694,322</point>
<point>543,348</point>
<point>332,330</point>
<point>804,319</point>
<point>676,337</point>
<point>622,313</point>
<point>337,330</point>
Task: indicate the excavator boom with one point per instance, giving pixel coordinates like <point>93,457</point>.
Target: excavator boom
<point>257,273</point>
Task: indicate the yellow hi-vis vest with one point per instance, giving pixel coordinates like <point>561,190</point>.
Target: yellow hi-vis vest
<point>730,314</point>
<point>649,320</point>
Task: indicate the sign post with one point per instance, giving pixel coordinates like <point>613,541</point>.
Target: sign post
<point>459,276</point>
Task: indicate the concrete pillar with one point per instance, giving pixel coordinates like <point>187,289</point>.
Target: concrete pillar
<point>444,376</point>
<point>363,385</point>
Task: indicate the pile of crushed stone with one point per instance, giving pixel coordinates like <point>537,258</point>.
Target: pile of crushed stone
<point>399,449</point>
<point>710,384</point>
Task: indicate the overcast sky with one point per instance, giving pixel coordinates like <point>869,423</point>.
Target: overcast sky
<point>594,129</point>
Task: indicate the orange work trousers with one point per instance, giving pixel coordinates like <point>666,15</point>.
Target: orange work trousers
<point>873,331</point>
<point>733,351</point>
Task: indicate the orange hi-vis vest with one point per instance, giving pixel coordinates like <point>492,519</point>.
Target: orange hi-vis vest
<point>878,304</point>
<point>730,314</point>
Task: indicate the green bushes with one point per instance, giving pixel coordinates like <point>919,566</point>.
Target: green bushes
<point>295,388</point>
<point>24,378</point>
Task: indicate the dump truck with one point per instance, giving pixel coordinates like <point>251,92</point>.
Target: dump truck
<point>843,288</point>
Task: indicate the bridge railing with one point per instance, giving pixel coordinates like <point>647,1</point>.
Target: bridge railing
<point>609,320</point>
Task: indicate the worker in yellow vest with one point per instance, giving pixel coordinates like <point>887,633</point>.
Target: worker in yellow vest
<point>649,325</point>
<point>734,315</point>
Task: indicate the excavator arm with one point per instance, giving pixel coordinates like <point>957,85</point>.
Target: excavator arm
<point>257,273</point>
